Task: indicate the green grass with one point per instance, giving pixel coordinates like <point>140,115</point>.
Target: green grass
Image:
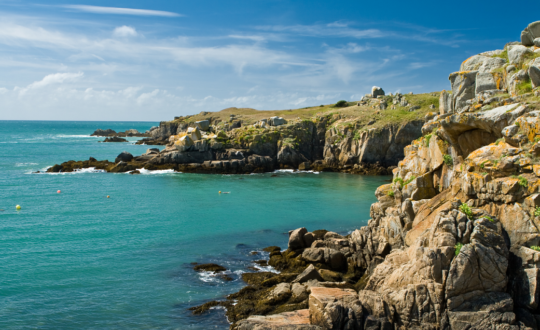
<point>427,139</point>
<point>467,210</point>
<point>458,248</point>
<point>524,87</point>
<point>503,55</point>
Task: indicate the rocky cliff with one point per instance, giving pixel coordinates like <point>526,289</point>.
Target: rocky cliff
<point>453,242</point>
<point>364,137</point>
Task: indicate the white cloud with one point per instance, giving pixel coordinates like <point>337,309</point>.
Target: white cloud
<point>55,78</point>
<point>147,96</point>
<point>124,31</point>
<point>121,11</point>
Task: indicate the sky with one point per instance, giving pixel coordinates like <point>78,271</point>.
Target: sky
<point>153,60</point>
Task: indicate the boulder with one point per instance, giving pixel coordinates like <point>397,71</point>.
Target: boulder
<point>115,139</point>
<point>516,53</point>
<point>124,156</point>
<point>310,273</point>
<point>530,33</point>
<point>184,143</point>
<point>485,81</point>
<point>296,239</point>
<point>194,133</point>
<point>297,320</point>
<point>534,74</point>
<point>536,42</point>
<point>203,125</point>
<point>333,258</point>
<point>334,308</point>
<point>276,121</point>
<point>463,88</point>
<point>281,292</point>
<point>376,91</point>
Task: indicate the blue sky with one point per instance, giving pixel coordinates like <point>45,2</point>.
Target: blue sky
<point>152,60</point>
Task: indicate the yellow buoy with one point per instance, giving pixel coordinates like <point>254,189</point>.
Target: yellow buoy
<point>18,207</point>
<point>220,191</point>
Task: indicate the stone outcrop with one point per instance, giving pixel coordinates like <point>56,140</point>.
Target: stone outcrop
<point>453,242</point>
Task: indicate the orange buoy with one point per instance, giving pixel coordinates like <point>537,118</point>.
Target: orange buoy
<point>108,196</point>
<point>58,191</point>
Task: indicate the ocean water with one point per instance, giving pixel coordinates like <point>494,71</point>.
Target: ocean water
<point>80,260</point>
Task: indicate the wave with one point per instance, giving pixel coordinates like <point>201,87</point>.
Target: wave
<point>25,164</point>
<point>75,136</point>
<point>77,171</point>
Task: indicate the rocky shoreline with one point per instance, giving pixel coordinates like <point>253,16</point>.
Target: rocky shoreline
<point>453,242</point>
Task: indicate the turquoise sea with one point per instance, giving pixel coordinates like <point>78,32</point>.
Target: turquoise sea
<point>79,260</point>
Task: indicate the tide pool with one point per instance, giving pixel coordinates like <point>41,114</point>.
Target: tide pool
<point>80,260</point>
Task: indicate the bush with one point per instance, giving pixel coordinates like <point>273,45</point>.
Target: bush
<point>341,104</point>
<point>458,248</point>
<point>467,210</point>
<point>448,160</point>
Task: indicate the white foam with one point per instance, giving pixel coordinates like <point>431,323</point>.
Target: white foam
<point>295,172</point>
<point>266,269</point>
<point>77,171</point>
<point>76,136</point>
<point>145,171</point>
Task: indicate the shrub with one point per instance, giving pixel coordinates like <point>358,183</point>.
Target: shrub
<point>341,104</point>
<point>390,193</point>
<point>458,248</point>
<point>536,248</point>
<point>523,182</point>
<point>448,160</point>
<point>467,210</point>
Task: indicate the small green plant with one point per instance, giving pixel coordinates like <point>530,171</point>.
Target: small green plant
<point>341,104</point>
<point>390,193</point>
<point>536,248</point>
<point>536,139</point>
<point>427,138</point>
<point>458,248</point>
<point>356,136</point>
<point>448,160</point>
<point>467,210</point>
<point>399,180</point>
<point>483,163</point>
<point>484,173</point>
<point>503,55</point>
<point>523,181</point>
<point>499,141</point>
<point>409,181</point>
<point>537,212</point>
<point>403,183</point>
<point>489,218</point>
<point>517,124</point>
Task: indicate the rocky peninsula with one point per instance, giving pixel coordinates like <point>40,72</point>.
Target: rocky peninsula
<point>453,242</point>
<point>365,137</point>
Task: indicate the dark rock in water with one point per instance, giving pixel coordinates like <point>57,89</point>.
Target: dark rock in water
<point>56,168</point>
<point>135,172</point>
<point>226,277</point>
<point>197,310</point>
<point>254,253</point>
<point>124,156</point>
<point>261,262</point>
<point>209,268</point>
<point>114,139</point>
<point>271,249</point>
<point>101,132</point>
<point>92,159</point>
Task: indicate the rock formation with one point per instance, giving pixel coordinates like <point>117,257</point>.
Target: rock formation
<point>453,242</point>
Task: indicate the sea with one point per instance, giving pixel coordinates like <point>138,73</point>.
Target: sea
<point>95,250</point>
